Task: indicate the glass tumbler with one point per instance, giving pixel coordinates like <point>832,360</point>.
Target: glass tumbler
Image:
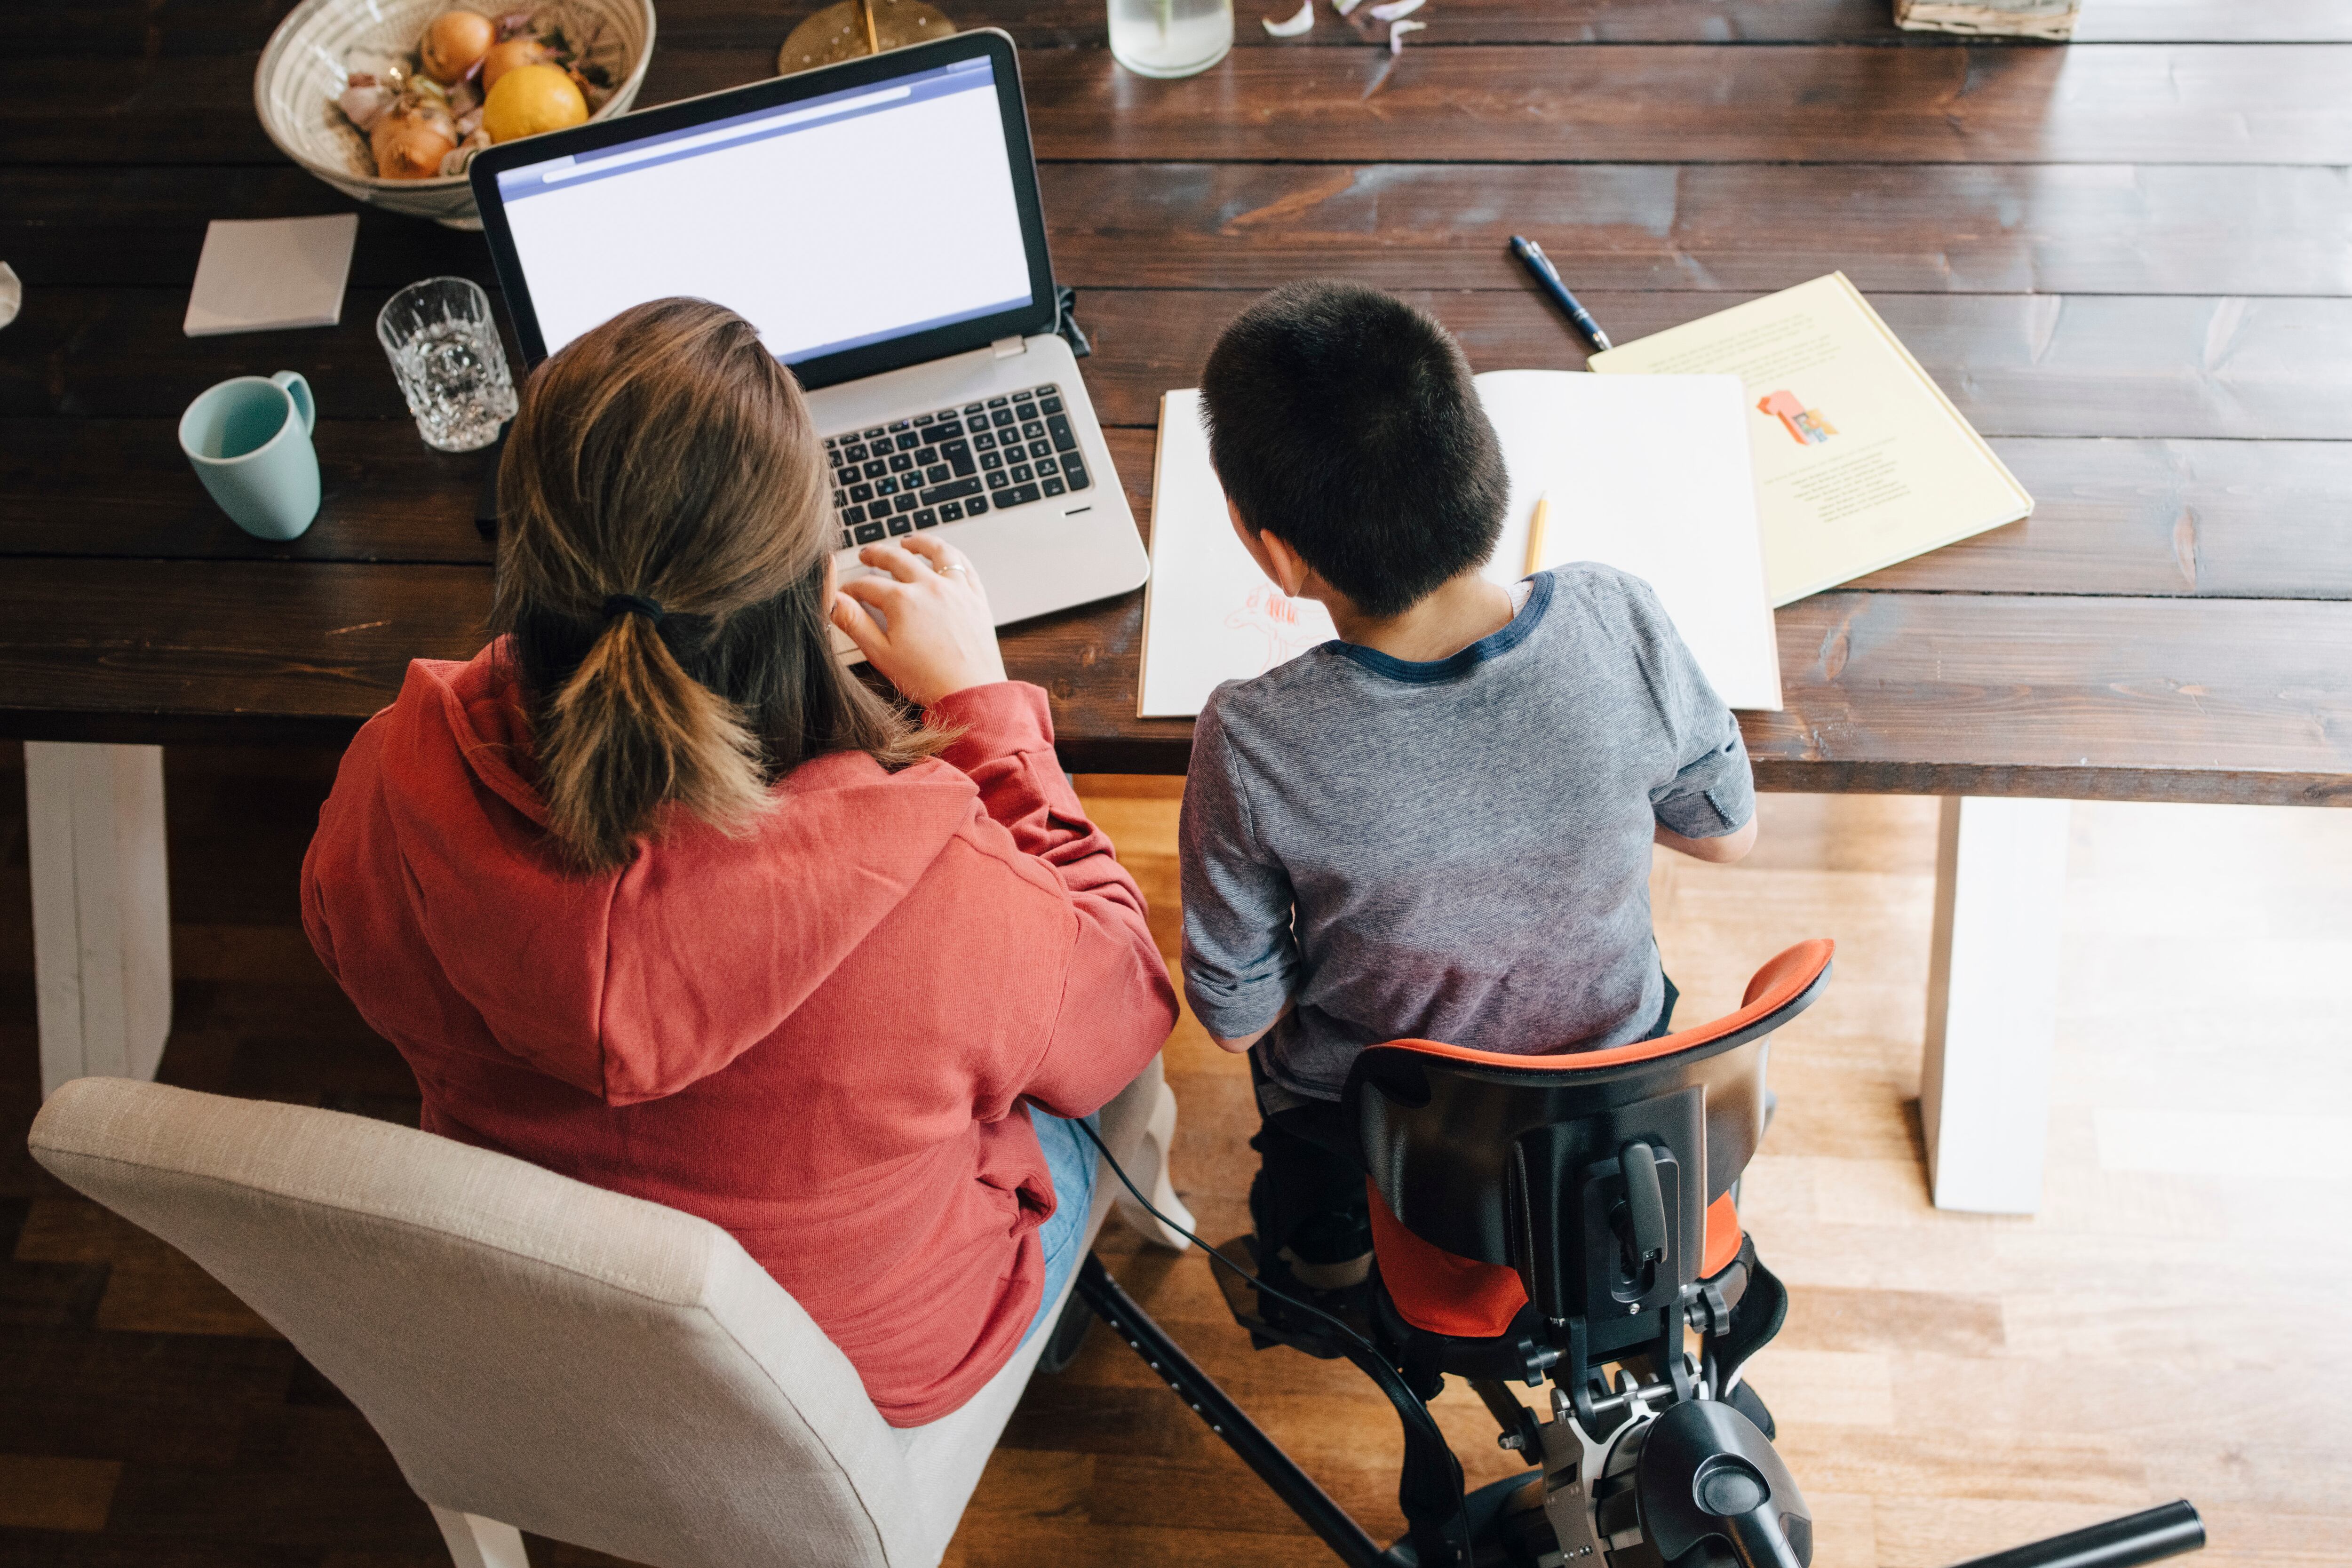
<point>1171,37</point>
<point>444,351</point>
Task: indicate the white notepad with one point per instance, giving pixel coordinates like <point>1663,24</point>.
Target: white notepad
<point>271,273</point>
<point>1649,474</point>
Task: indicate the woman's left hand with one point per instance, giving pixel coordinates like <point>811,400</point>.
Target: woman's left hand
<point>941,637</point>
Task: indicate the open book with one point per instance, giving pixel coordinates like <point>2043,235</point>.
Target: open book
<point>1861,461</point>
<point>1650,474</point>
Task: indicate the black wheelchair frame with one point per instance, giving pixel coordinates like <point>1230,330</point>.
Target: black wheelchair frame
<point>1591,1180</point>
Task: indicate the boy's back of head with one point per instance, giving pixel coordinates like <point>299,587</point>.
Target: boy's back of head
<point>1344,422</point>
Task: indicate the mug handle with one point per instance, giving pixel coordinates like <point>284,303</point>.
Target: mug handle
<point>300,391</point>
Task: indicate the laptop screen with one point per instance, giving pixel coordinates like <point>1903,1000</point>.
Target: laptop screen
<point>831,223</point>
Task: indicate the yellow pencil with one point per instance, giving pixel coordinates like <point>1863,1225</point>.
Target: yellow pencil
<point>1536,534</point>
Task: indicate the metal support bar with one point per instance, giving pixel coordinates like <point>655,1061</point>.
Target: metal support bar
<point>1298,1489</point>
<point>2125,1542</point>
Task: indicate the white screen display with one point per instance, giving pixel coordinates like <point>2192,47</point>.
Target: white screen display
<point>829,224</point>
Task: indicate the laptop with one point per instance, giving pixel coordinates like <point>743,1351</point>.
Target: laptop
<point>879,222</point>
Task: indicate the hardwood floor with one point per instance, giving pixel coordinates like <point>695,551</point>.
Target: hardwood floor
<point>2169,1326</point>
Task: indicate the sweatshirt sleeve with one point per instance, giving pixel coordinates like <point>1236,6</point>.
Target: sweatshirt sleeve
<point>1241,956</point>
<point>1117,1006</point>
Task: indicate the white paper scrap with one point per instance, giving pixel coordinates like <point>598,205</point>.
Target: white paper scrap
<point>270,274</point>
<point>12,293</point>
<point>1299,24</point>
<point>1397,8</point>
<point>1344,6</point>
<point>1397,30</point>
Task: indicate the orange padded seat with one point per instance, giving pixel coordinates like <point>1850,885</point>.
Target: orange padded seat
<point>1435,1291</point>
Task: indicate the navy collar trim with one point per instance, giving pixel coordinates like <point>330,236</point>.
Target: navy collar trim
<point>1492,646</point>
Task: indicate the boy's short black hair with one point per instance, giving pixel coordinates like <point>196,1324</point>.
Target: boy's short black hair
<point>1344,421</point>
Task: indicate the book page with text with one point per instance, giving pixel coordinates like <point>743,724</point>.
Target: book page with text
<point>1861,461</point>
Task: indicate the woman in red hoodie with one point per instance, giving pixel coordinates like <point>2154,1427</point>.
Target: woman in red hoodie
<point>650,893</point>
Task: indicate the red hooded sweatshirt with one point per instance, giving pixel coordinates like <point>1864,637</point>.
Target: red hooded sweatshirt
<point>817,1036</point>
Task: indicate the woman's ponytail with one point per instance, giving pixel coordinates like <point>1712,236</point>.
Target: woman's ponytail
<point>630,733</point>
<point>669,453</point>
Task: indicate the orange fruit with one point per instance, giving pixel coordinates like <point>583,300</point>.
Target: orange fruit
<point>503,57</point>
<point>529,99</point>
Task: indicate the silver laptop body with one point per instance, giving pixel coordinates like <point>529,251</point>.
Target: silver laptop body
<point>879,222</point>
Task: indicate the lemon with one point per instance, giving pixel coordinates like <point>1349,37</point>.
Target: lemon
<point>529,99</point>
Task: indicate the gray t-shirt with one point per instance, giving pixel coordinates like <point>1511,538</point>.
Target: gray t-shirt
<point>1457,850</point>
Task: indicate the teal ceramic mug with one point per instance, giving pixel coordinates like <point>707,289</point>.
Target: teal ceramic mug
<point>249,440</point>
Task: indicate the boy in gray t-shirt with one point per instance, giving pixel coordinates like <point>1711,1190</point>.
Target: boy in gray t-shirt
<point>1438,826</point>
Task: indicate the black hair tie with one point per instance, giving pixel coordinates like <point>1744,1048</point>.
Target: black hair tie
<point>633,604</point>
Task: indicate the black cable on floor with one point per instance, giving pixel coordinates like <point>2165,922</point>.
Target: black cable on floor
<point>1255,1281</point>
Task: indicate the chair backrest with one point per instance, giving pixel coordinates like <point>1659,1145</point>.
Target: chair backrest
<point>1588,1173</point>
<point>569,1360</point>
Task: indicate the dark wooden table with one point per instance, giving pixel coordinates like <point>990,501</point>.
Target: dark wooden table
<point>2128,261</point>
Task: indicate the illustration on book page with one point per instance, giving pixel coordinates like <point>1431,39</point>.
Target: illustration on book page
<point>1290,625</point>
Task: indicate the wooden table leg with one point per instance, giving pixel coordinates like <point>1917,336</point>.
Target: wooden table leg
<point>1993,1000</point>
<point>101,912</point>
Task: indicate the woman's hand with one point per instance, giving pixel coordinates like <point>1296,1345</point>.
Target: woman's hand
<point>941,637</point>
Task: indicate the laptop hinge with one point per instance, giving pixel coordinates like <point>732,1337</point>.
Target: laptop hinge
<point>1007,347</point>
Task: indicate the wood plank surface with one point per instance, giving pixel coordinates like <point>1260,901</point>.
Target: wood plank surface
<point>1946,1384</point>
<point>2215,698</point>
<point>1899,228</point>
<point>2185,103</point>
<point>2232,519</point>
<point>2127,263</point>
<point>121,487</point>
<point>2126,365</point>
<point>2014,365</point>
<point>2215,519</point>
<point>167,28</point>
<point>2181,103</point>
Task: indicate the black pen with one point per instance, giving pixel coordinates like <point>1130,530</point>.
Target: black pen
<point>1529,252</point>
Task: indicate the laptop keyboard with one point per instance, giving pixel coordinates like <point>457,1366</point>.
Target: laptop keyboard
<point>953,463</point>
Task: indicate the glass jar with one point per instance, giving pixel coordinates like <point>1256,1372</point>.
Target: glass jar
<point>1171,37</point>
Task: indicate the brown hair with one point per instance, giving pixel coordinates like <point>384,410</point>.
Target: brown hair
<point>667,461</point>
<point>1345,422</point>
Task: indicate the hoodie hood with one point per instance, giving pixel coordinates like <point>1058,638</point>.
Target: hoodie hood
<point>634,984</point>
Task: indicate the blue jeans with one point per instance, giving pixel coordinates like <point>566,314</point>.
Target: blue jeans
<point>1070,1165</point>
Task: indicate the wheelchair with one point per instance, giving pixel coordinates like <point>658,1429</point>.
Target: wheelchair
<point>1570,1222</point>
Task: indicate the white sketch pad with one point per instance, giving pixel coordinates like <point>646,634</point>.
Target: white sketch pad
<point>1209,614</point>
<point>1651,474</point>
<point>1656,480</point>
<point>266,274</point>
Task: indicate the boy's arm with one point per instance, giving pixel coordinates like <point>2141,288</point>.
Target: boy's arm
<point>1245,1042</point>
<point>1708,810</point>
<point>1240,955</point>
<point>1721,850</point>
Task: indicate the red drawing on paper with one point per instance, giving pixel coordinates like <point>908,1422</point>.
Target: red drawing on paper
<point>1805,425</point>
<point>1282,620</point>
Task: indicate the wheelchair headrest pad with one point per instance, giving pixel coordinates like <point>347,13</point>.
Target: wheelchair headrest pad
<point>1783,985</point>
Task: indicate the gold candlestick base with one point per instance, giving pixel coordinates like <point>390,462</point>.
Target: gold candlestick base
<point>855,27</point>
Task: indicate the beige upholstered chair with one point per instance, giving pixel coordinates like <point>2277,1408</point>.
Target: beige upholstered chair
<point>543,1355</point>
